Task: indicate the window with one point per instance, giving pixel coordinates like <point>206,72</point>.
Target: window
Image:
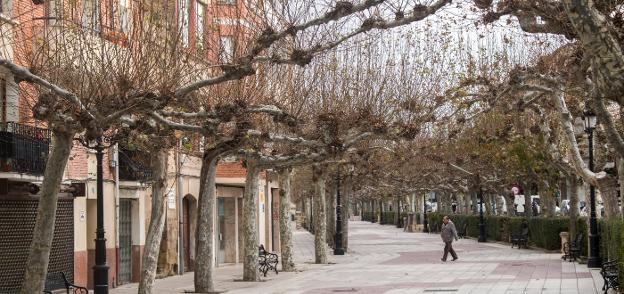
<point>90,15</point>
<point>4,5</point>
<point>55,11</point>
<point>183,21</point>
<point>227,2</point>
<point>124,16</point>
<point>200,25</point>
<point>226,49</point>
<point>3,103</point>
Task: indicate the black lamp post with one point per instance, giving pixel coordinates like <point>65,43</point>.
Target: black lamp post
<point>425,222</point>
<point>481,220</point>
<point>100,269</point>
<point>338,250</point>
<point>589,118</point>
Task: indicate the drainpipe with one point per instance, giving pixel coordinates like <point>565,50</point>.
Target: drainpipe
<point>116,160</point>
<point>180,212</point>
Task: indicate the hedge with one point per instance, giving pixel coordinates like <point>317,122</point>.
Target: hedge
<point>612,241</point>
<point>543,232</point>
<point>387,218</point>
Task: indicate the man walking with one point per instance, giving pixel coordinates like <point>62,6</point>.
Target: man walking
<point>448,234</point>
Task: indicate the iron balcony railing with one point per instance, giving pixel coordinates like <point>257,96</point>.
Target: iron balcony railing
<point>131,170</point>
<point>23,148</point>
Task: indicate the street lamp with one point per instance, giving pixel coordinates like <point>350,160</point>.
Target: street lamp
<point>100,269</point>
<point>589,118</point>
<point>425,222</point>
<point>338,250</point>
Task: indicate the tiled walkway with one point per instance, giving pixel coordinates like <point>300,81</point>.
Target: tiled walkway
<point>384,259</point>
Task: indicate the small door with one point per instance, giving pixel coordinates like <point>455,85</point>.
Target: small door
<point>275,219</point>
<point>221,230</point>
<point>125,241</point>
<point>188,265</point>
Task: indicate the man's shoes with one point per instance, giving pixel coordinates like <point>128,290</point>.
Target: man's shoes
<point>442,259</point>
<point>454,259</point>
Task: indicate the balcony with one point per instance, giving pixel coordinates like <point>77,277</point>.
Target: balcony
<point>130,169</point>
<point>23,148</point>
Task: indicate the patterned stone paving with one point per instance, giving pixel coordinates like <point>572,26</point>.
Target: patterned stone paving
<point>384,259</point>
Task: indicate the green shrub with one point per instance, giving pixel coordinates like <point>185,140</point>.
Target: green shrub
<point>612,241</point>
<point>544,232</point>
<point>387,218</point>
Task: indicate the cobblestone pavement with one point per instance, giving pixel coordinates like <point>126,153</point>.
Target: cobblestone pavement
<point>384,259</point>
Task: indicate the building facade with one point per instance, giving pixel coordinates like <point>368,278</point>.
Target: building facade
<point>25,144</point>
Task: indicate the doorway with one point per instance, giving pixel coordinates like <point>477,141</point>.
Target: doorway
<point>125,241</point>
<point>189,205</point>
<point>221,230</point>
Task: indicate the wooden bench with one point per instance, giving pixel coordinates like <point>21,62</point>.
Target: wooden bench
<point>610,273</point>
<point>57,281</point>
<point>520,239</point>
<point>267,260</point>
<point>572,249</point>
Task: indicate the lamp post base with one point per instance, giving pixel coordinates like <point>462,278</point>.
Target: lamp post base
<point>100,273</point>
<point>339,251</point>
<point>481,233</point>
<point>594,260</point>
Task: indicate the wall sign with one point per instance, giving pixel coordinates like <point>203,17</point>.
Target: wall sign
<point>171,201</point>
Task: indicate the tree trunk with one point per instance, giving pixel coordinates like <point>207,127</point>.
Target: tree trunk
<point>205,259</point>
<point>157,223</point>
<point>465,199</point>
<point>346,211</point>
<point>320,251</point>
<point>250,251</point>
<point>286,243</point>
<point>475,202</point>
<point>608,192</point>
<point>487,201</point>
<point>397,211</point>
<point>499,204</point>
<point>509,203</point>
<point>547,197</point>
<point>528,210</point>
<point>330,213</point>
<point>571,184</point>
<point>43,233</point>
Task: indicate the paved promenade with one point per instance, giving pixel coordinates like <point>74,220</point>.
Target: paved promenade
<point>384,259</point>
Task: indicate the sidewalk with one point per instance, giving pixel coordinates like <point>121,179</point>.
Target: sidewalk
<point>384,259</point>
<point>229,277</point>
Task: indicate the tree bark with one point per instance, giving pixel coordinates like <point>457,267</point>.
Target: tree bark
<point>330,215</point>
<point>608,192</point>
<point>205,259</point>
<point>43,233</point>
<point>597,36</point>
<point>528,210</point>
<point>320,246</point>
<point>397,211</point>
<point>346,211</point>
<point>286,243</point>
<point>157,223</point>
<point>571,184</point>
<point>509,202</point>
<point>487,201</point>
<point>250,251</point>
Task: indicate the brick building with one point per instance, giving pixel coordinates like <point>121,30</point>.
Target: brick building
<point>210,29</point>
